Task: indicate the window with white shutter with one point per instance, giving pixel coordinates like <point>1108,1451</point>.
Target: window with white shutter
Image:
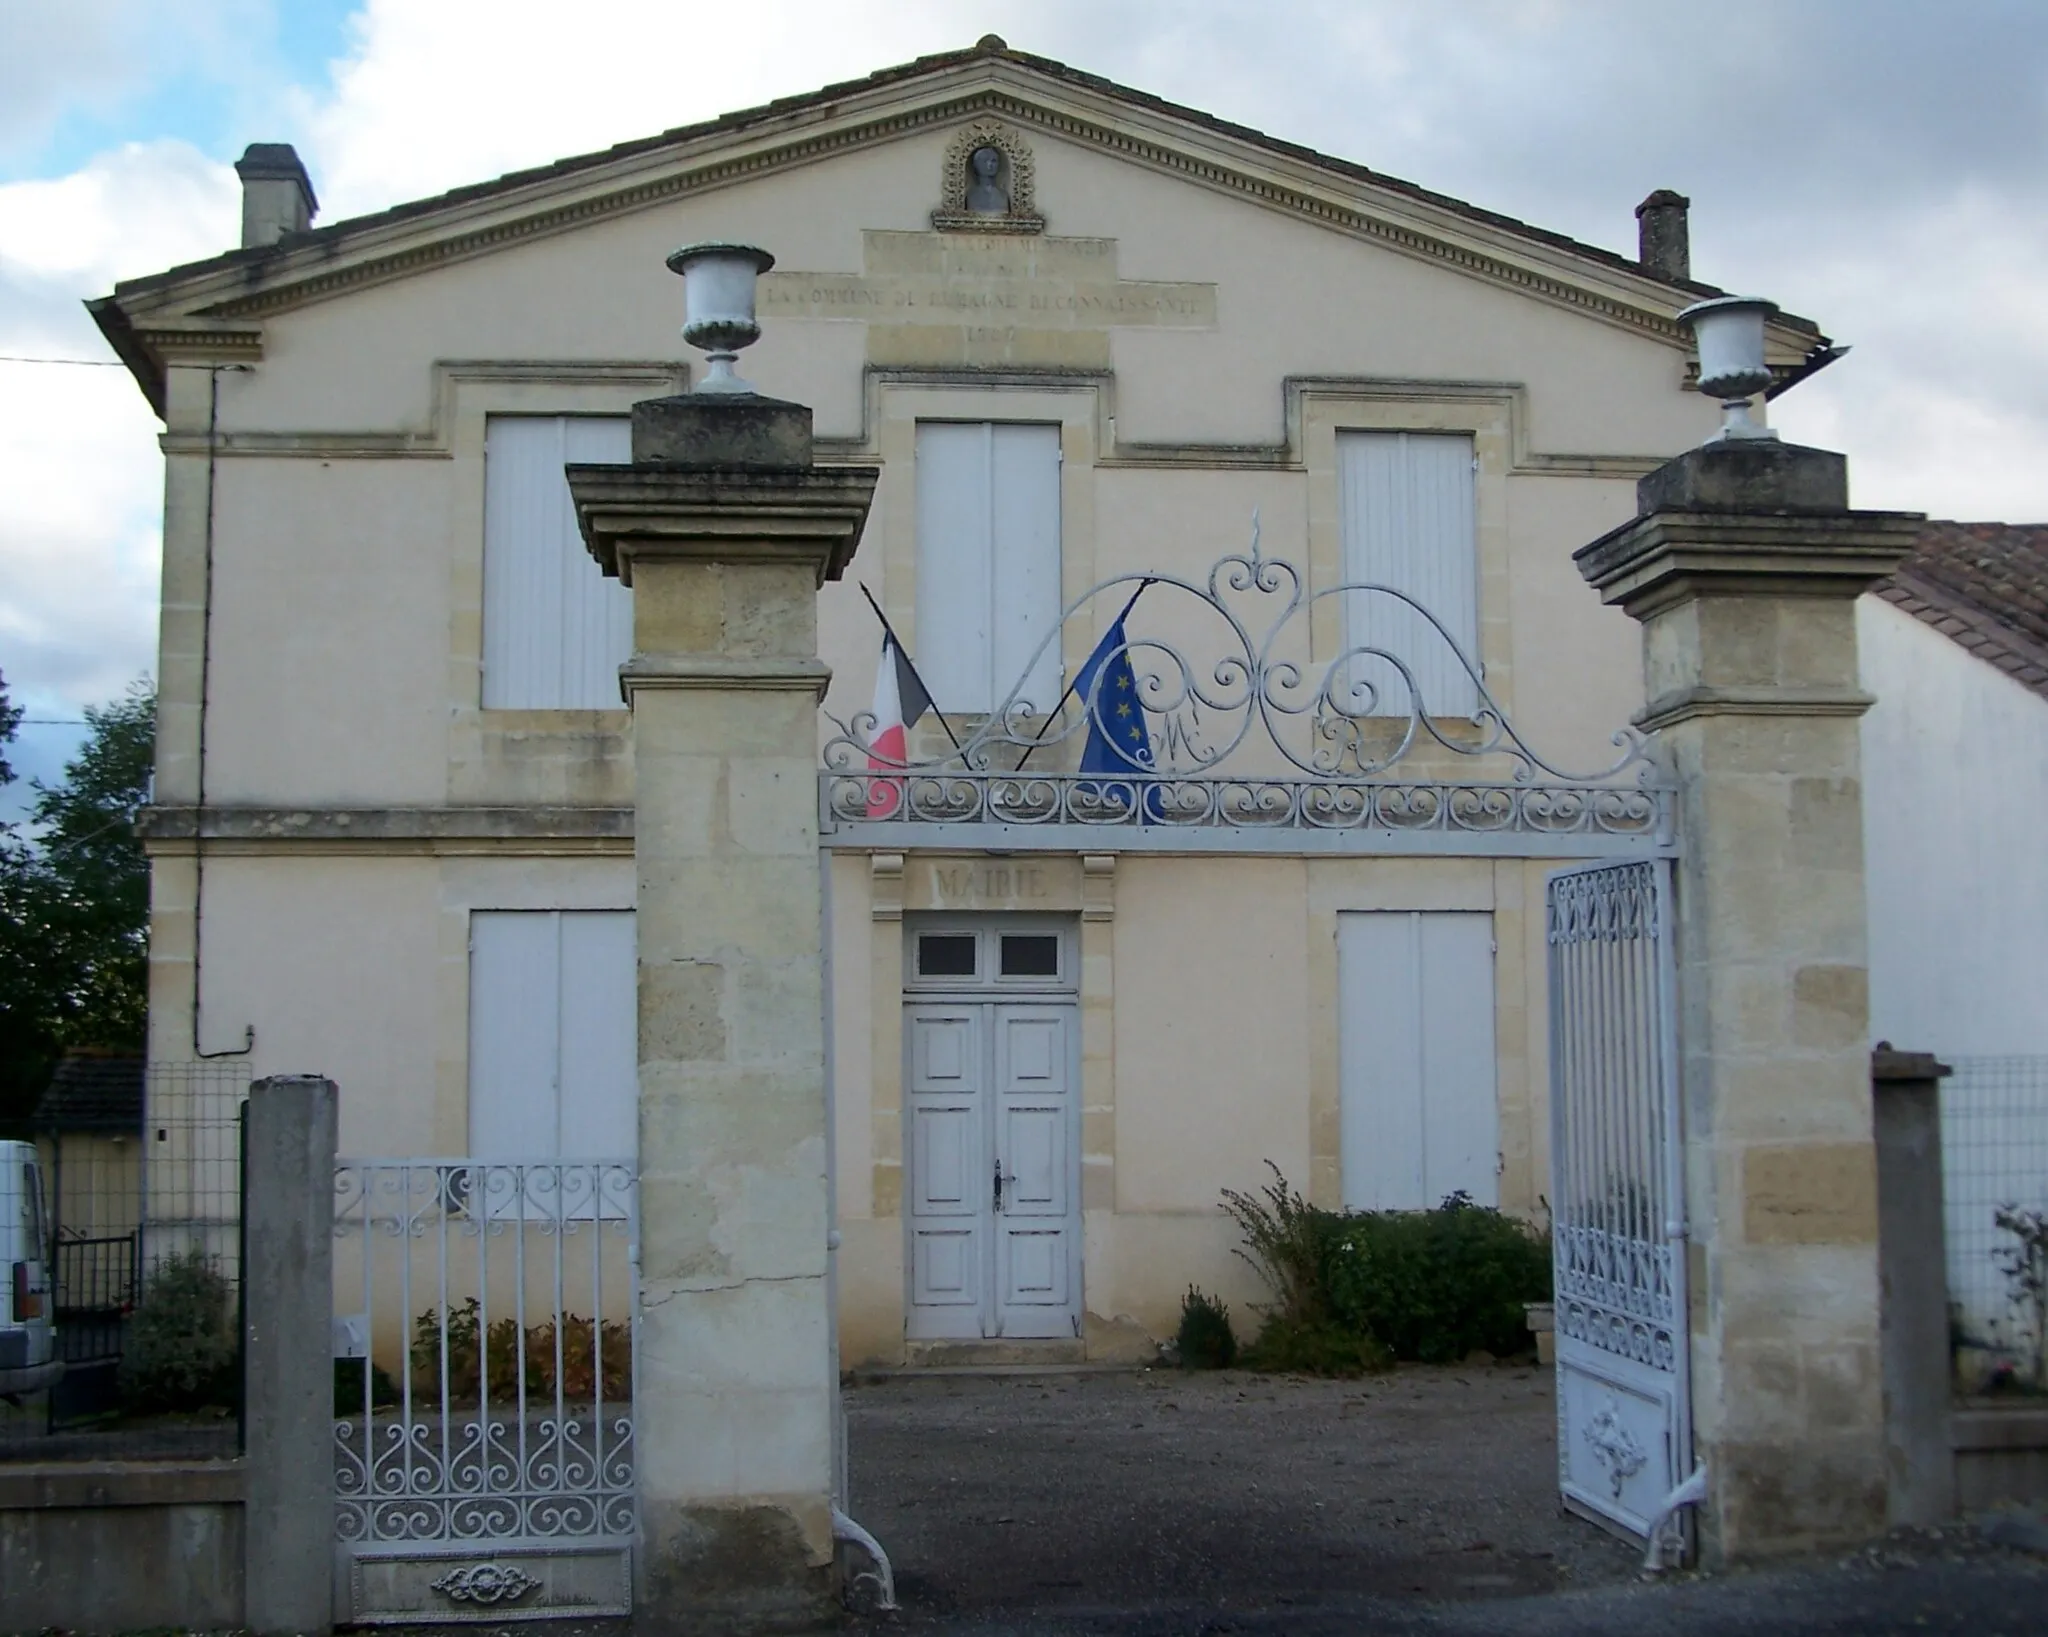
<point>556,630</point>
<point>553,1048</point>
<point>988,562</point>
<point>1407,507</point>
<point>1418,1104</point>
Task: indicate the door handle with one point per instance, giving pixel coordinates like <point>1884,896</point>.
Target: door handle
<point>999,1185</point>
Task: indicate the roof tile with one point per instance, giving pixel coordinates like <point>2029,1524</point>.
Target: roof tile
<point>1984,586</point>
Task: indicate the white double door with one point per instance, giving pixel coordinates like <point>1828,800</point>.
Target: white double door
<point>992,1095</point>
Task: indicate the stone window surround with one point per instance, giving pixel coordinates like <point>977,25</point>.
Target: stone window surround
<point>481,743</point>
<point>471,884</point>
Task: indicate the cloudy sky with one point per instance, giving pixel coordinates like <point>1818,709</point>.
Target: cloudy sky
<point>1878,165</point>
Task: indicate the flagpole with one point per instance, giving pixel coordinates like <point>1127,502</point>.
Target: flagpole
<point>889,631</point>
<point>1046,726</point>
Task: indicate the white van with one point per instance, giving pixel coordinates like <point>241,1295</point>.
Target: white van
<point>28,1339</point>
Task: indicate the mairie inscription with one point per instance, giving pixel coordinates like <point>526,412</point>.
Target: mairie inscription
<point>985,298</point>
<point>1043,884</point>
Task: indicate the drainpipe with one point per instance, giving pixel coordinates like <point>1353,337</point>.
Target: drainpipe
<point>248,1044</point>
<point>843,1526</point>
<point>1690,1493</point>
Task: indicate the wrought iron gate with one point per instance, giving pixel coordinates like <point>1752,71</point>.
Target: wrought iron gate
<point>1624,1411</point>
<point>483,1435</point>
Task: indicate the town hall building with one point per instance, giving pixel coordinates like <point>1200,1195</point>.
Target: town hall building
<point>1299,452</point>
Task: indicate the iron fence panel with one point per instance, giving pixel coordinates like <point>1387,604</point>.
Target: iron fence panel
<point>484,1459</point>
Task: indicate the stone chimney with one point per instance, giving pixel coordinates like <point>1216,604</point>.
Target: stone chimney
<point>1663,243</point>
<point>277,195</point>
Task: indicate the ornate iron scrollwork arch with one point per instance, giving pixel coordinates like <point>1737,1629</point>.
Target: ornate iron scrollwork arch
<point>1259,735</point>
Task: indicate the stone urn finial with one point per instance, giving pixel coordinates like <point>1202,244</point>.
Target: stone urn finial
<point>1730,333</point>
<point>718,302</point>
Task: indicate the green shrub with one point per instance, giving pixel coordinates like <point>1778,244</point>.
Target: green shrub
<point>496,1364</point>
<point>1205,1338</point>
<point>1287,1241</point>
<point>1436,1285</point>
<point>1352,1290</point>
<point>1314,1348</point>
<point>180,1349</point>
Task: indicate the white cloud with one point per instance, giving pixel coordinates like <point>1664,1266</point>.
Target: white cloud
<point>56,54</point>
<point>134,210</point>
<point>1871,163</point>
<point>435,96</point>
<point>81,479</point>
<point>62,57</point>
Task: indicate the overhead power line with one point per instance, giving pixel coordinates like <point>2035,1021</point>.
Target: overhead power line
<point>75,363</point>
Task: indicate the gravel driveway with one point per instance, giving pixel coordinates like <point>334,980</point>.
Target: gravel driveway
<point>1237,1491</point>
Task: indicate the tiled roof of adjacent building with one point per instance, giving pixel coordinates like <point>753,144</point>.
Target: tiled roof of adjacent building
<point>1985,585</point>
<point>93,1091</point>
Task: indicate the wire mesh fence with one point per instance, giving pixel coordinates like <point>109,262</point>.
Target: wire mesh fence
<point>142,1255</point>
<point>1994,1136</point>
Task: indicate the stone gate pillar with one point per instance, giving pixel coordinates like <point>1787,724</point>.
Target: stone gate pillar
<point>725,530</point>
<point>1743,565</point>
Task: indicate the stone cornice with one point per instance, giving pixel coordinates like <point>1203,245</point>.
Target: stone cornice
<point>228,831</point>
<point>1667,558</point>
<point>1275,175</point>
<point>203,344</point>
<point>811,515</point>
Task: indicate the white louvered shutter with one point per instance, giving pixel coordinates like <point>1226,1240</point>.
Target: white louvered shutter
<point>1418,1114</point>
<point>553,1053</point>
<point>988,561</point>
<point>1407,505</point>
<point>556,630</point>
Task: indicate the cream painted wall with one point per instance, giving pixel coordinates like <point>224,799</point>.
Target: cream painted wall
<point>1211,1035</point>
<point>1955,780</point>
<point>330,615</point>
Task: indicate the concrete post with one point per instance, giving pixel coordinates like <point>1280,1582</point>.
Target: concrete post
<point>725,530</point>
<point>288,1365</point>
<point>1912,1261</point>
<point>1744,564</point>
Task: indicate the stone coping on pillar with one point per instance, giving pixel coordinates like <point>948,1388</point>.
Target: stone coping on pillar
<point>811,515</point>
<point>1744,475</point>
<point>1889,1065</point>
<point>738,431</point>
<point>1745,518</point>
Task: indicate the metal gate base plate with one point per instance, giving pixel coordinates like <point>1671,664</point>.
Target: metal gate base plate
<point>489,1582</point>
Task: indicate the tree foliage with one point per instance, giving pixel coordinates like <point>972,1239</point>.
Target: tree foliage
<point>74,902</point>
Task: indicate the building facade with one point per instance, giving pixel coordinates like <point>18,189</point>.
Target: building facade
<point>1091,339</point>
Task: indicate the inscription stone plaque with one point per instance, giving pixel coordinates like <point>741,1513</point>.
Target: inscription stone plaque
<point>964,298</point>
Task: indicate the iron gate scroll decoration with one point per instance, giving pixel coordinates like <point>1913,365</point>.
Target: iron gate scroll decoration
<point>484,1463</point>
<point>1257,740</point>
<point>1618,1228</point>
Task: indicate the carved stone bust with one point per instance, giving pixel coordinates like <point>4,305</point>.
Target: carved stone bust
<point>987,194</point>
<point>987,184</point>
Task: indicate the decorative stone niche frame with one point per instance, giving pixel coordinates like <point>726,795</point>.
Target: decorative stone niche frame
<point>1016,178</point>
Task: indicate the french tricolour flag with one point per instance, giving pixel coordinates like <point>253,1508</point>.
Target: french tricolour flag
<point>900,699</point>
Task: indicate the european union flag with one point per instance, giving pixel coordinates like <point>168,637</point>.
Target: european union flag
<point>1118,742</point>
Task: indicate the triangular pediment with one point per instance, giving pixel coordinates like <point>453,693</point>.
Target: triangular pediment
<point>215,309</point>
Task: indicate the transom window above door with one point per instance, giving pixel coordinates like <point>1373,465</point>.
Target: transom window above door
<point>1036,952</point>
<point>988,562</point>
